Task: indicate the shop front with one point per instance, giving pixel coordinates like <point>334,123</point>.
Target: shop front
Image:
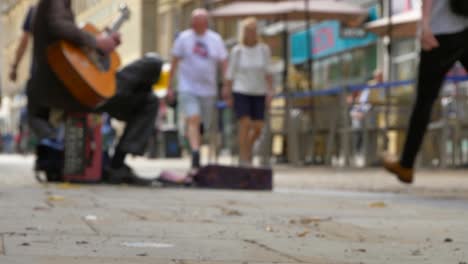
<point>333,60</point>
<point>337,60</point>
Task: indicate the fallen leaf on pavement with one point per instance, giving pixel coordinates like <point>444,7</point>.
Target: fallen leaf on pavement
<point>312,220</point>
<point>41,208</point>
<point>55,198</point>
<point>230,212</point>
<point>448,240</point>
<point>378,205</point>
<point>67,186</point>
<point>303,234</point>
<point>362,250</point>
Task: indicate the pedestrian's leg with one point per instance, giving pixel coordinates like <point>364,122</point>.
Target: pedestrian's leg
<point>191,108</point>
<point>257,113</point>
<point>243,111</point>
<point>433,66</point>
<point>244,124</point>
<point>194,136</point>
<point>431,76</point>
<point>254,133</point>
<point>208,118</point>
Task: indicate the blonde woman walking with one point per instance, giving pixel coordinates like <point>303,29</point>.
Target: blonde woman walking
<point>249,86</point>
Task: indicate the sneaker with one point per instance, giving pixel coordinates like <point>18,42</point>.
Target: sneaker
<point>405,175</point>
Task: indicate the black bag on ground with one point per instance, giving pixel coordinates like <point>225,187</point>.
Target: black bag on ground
<point>459,7</point>
<point>228,177</point>
<point>49,160</point>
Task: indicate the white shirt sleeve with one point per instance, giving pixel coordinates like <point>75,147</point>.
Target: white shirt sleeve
<point>232,64</point>
<point>222,51</point>
<point>178,49</point>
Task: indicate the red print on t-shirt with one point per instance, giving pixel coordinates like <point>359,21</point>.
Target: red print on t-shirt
<point>200,49</point>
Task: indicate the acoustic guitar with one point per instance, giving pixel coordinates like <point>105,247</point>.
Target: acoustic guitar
<point>88,74</point>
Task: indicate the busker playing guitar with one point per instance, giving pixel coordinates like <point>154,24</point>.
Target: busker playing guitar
<point>133,102</point>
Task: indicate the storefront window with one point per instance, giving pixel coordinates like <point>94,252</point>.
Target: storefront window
<point>404,67</point>
<point>335,71</point>
<point>352,67</point>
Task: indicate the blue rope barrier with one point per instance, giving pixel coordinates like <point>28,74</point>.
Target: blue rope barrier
<point>352,88</point>
<point>355,88</point>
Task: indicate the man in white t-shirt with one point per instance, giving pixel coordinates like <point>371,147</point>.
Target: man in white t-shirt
<point>197,54</point>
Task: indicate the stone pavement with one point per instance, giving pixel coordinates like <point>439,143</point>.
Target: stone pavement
<point>315,215</point>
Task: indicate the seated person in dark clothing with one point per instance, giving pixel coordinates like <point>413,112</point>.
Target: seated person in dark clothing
<point>133,103</point>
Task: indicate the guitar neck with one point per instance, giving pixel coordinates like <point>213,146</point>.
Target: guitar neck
<point>117,24</point>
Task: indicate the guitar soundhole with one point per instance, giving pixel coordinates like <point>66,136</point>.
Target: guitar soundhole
<point>104,62</point>
<point>100,60</point>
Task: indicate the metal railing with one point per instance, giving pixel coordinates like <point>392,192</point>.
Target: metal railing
<point>321,132</point>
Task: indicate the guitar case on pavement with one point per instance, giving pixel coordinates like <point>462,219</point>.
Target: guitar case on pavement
<point>233,177</point>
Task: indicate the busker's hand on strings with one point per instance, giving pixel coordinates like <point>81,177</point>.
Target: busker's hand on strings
<point>108,42</point>
<point>428,40</point>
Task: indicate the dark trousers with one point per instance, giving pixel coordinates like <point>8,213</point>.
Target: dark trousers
<point>433,68</point>
<point>134,103</point>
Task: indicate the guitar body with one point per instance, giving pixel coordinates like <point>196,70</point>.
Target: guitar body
<point>90,78</point>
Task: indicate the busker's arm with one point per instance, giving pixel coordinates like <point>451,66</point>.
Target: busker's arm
<point>20,51</point>
<point>428,41</point>
<point>62,26</point>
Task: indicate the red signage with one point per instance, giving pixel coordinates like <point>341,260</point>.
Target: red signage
<point>324,39</point>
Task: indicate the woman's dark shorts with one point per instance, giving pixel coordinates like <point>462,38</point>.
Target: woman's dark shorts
<point>251,106</point>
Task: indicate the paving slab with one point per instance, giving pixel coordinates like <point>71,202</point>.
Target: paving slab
<point>364,252</point>
<point>2,251</point>
<point>301,221</point>
<point>125,260</point>
<point>99,246</point>
<point>43,219</point>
